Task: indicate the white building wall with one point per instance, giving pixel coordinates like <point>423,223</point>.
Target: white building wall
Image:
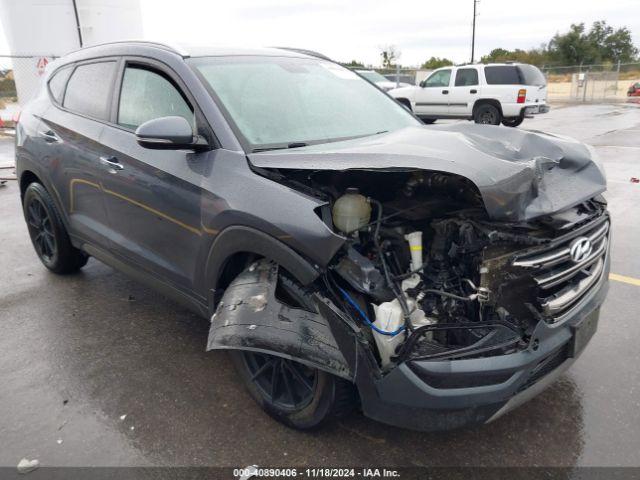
<point>42,29</point>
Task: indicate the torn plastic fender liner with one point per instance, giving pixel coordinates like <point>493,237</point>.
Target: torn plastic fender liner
<point>250,317</point>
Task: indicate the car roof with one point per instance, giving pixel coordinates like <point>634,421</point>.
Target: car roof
<point>186,50</point>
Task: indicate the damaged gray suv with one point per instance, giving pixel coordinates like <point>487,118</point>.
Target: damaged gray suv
<point>345,254</point>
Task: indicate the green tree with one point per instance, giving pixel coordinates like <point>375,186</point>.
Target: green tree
<point>618,46</point>
<point>600,43</point>
<point>390,54</point>
<point>573,47</point>
<point>353,64</point>
<point>436,62</point>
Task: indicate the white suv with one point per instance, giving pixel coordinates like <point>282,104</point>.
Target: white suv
<point>493,93</point>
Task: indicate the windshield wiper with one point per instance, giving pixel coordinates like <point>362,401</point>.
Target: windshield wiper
<point>314,142</point>
<point>280,147</point>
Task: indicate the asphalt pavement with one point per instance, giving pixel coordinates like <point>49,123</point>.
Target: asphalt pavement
<point>96,370</point>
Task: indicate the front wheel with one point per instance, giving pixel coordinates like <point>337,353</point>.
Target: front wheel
<point>512,122</point>
<point>487,114</point>
<point>297,395</point>
<point>293,393</point>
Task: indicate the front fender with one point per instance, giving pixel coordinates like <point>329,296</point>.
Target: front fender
<point>250,317</point>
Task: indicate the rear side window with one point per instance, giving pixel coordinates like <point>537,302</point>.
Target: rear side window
<point>146,95</point>
<point>502,75</point>
<point>466,77</point>
<point>89,88</point>
<point>58,82</point>
<point>532,75</point>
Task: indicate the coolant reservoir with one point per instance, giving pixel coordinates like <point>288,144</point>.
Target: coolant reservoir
<point>351,211</point>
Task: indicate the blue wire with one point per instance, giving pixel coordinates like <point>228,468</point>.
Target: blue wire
<point>353,303</point>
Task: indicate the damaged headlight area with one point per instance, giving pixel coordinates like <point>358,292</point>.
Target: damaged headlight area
<point>424,270</point>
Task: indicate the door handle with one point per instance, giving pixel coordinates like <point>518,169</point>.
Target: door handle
<point>111,162</point>
<point>473,91</point>
<point>50,136</point>
<point>445,92</point>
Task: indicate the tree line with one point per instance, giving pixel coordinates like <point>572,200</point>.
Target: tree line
<point>601,43</point>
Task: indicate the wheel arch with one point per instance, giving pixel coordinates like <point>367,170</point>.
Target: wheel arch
<point>484,101</point>
<point>405,102</point>
<point>27,177</point>
<point>236,246</point>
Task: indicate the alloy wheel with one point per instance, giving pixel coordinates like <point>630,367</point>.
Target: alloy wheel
<point>287,384</point>
<point>41,230</point>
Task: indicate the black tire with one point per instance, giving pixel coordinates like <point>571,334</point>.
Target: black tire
<point>487,114</point>
<point>428,121</point>
<point>297,395</point>
<point>405,103</point>
<point>48,234</point>
<point>512,122</point>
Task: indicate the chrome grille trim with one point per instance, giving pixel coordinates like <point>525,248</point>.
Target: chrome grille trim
<point>553,258</point>
<point>561,282</point>
<point>568,296</point>
<point>556,277</point>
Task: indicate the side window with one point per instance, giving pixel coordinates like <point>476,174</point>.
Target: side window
<point>466,77</point>
<point>440,78</point>
<point>89,88</point>
<point>58,82</point>
<point>146,94</point>
<point>502,75</point>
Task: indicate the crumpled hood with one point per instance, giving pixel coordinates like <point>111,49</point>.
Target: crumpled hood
<point>520,174</point>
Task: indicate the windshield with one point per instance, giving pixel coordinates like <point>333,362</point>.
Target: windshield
<point>280,102</point>
<point>372,76</point>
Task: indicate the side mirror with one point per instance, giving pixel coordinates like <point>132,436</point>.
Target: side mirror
<point>168,133</point>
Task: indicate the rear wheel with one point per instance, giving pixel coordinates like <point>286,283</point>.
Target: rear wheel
<point>428,121</point>
<point>48,234</point>
<point>293,393</point>
<point>512,122</point>
<point>487,114</point>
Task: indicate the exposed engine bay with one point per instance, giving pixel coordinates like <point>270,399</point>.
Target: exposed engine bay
<point>424,268</point>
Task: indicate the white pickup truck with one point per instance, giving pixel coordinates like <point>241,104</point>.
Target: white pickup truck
<point>497,93</point>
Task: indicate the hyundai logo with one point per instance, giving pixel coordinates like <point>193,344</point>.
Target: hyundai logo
<point>580,249</point>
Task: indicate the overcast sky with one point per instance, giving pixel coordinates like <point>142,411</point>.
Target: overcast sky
<point>355,29</point>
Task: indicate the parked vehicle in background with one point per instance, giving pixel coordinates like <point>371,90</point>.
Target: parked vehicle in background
<point>342,251</point>
<point>404,79</point>
<point>381,81</point>
<point>490,94</point>
<point>634,90</point>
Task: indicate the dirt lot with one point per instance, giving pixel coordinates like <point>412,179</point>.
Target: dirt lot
<point>80,352</point>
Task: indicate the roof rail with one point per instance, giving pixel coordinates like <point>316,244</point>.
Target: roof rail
<point>165,46</point>
<point>304,51</point>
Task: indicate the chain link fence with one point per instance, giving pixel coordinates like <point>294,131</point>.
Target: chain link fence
<point>593,83</point>
<point>20,80</point>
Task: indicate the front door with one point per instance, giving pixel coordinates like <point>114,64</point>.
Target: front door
<point>464,92</point>
<point>432,99</point>
<point>153,196</point>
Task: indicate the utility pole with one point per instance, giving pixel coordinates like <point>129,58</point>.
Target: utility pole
<point>473,35</point>
<point>75,11</point>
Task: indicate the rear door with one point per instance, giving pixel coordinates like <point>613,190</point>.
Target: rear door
<point>465,90</point>
<point>71,130</point>
<point>432,98</point>
<point>153,196</point>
